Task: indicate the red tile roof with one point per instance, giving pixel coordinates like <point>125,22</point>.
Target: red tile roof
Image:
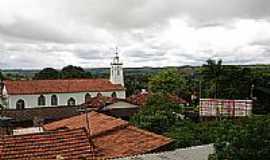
<point>60,86</point>
<point>129,141</point>
<point>141,99</point>
<point>113,137</point>
<point>99,102</point>
<point>69,144</point>
<point>138,99</point>
<point>98,123</point>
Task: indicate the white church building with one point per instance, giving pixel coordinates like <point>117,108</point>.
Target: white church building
<point>22,94</point>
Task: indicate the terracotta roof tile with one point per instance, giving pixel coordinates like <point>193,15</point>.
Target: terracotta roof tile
<point>99,102</point>
<point>113,137</point>
<point>138,99</point>
<point>60,86</point>
<point>70,144</point>
<point>129,141</point>
<point>98,123</point>
<point>141,99</point>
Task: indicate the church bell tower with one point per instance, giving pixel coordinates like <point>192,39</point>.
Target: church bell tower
<point>116,74</point>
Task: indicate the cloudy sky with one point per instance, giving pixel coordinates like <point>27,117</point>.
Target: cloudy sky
<point>55,33</point>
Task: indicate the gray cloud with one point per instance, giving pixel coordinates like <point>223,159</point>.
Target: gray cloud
<point>37,33</point>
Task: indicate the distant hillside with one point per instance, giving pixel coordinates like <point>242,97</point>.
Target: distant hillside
<point>104,72</point>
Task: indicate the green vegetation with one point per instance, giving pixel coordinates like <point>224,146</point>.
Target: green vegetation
<point>168,81</point>
<point>1,75</point>
<point>157,115</point>
<point>234,139</point>
<point>67,72</point>
<point>48,73</point>
<point>250,140</point>
<point>238,139</point>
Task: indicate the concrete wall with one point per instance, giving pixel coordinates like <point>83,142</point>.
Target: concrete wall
<point>31,101</point>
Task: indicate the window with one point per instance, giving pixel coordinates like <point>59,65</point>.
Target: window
<point>20,104</point>
<point>54,100</point>
<point>99,94</point>
<point>87,97</point>
<point>71,102</point>
<point>114,95</point>
<point>41,100</point>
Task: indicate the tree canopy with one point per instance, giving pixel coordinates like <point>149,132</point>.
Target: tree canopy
<point>1,75</point>
<point>48,73</point>
<point>168,81</point>
<point>157,114</point>
<point>66,73</point>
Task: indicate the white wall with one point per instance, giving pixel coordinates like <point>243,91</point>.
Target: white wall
<point>31,101</point>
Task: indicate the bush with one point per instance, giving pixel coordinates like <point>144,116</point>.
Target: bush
<point>249,141</point>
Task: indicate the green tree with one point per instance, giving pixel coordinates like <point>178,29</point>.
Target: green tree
<point>47,73</point>
<point>1,75</point>
<point>212,72</point>
<point>169,81</point>
<point>157,115</point>
<point>74,72</point>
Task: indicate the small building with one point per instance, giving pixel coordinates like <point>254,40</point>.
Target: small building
<point>225,108</point>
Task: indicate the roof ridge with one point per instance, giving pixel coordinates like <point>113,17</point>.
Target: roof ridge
<point>122,126</point>
<point>43,133</point>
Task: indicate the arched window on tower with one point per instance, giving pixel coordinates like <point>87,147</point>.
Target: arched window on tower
<point>41,100</point>
<point>114,95</point>
<point>71,102</point>
<point>54,100</point>
<point>20,104</point>
<point>87,97</point>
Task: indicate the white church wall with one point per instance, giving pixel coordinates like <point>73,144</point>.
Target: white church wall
<point>31,101</point>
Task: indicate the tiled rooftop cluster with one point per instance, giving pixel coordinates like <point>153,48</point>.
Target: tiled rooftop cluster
<point>113,137</point>
<point>68,144</point>
<point>87,136</point>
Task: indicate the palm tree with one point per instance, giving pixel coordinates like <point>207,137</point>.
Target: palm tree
<point>212,72</point>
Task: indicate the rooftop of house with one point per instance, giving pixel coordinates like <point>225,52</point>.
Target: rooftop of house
<point>45,113</point>
<point>113,137</point>
<point>142,97</point>
<point>22,87</point>
<point>66,144</point>
<point>103,102</point>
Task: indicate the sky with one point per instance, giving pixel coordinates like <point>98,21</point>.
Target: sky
<point>54,33</point>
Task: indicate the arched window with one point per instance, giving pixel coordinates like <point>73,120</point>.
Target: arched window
<point>99,94</point>
<point>114,95</point>
<point>41,100</point>
<point>54,100</point>
<point>87,97</point>
<point>20,104</point>
<point>71,102</point>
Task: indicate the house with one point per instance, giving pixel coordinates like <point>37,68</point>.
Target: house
<point>112,106</point>
<point>112,137</point>
<point>46,93</point>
